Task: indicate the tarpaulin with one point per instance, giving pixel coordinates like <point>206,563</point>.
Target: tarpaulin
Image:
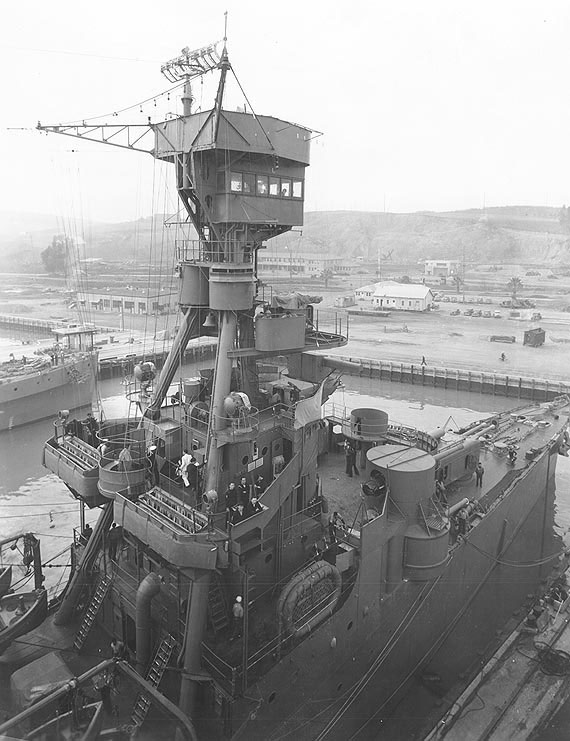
<point>38,679</point>
<point>294,300</point>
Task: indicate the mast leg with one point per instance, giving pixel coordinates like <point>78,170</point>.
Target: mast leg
<point>222,386</point>
<point>195,624</point>
<point>189,327</point>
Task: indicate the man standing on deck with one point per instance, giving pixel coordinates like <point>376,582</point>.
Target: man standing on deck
<point>152,465</point>
<point>243,491</point>
<point>237,618</point>
<point>92,428</point>
<point>114,540</point>
<point>350,454</point>
<point>118,649</point>
<point>231,495</point>
<point>479,471</point>
<point>125,459</point>
<point>186,461</point>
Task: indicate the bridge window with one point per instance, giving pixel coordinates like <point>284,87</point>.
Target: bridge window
<point>248,182</point>
<point>262,185</point>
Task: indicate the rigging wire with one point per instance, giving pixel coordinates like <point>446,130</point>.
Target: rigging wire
<point>380,659</point>
<point>251,109</point>
<point>150,255</point>
<point>356,686</point>
<point>37,514</point>
<point>80,54</point>
<point>519,564</point>
<point>84,121</point>
<point>437,643</point>
<point>36,504</point>
<point>170,259</point>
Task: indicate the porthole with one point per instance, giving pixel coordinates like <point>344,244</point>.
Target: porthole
<point>264,450</point>
<point>349,626</point>
<point>15,388</point>
<point>272,697</point>
<point>245,459</point>
<point>269,558</point>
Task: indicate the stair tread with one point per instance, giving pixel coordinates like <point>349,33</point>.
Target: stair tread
<point>91,611</point>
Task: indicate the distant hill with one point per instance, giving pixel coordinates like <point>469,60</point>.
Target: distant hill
<point>13,224</point>
<point>527,234</point>
<point>505,234</point>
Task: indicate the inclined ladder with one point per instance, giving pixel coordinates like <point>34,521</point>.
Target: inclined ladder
<point>154,675</point>
<point>91,613</point>
<point>217,607</point>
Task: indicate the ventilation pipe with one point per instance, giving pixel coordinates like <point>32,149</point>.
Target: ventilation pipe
<point>148,588</point>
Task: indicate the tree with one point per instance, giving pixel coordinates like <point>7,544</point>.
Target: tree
<point>54,256</point>
<point>514,285</point>
<point>457,281</point>
<point>326,276</point>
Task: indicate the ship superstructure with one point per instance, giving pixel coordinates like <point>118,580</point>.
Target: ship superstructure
<point>61,376</point>
<point>227,489</point>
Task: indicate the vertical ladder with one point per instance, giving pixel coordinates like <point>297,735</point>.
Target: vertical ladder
<point>153,676</point>
<point>91,613</point>
<point>217,607</point>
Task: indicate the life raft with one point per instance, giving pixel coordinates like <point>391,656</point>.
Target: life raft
<point>309,598</point>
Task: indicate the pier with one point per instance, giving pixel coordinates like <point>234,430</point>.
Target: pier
<point>483,382</point>
<point>118,352</point>
<point>37,328</point>
<point>123,364</point>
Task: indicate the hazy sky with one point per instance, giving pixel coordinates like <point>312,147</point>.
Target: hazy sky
<point>424,104</point>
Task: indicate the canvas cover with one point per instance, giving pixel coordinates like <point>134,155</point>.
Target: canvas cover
<point>294,300</point>
<point>38,679</point>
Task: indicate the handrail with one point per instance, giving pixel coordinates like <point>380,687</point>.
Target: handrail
<point>197,250</point>
<point>245,420</point>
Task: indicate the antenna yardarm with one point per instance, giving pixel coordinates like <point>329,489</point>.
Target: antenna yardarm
<point>192,63</point>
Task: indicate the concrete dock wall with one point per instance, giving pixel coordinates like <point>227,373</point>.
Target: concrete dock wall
<point>484,382</point>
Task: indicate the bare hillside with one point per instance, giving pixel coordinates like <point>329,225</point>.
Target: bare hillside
<point>523,234</point>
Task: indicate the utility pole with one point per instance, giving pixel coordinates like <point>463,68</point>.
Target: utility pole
<point>463,268</point>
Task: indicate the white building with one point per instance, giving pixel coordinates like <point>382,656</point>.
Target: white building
<point>366,292</point>
<point>296,262</point>
<point>441,268</point>
<point>130,301</point>
<point>403,297</point>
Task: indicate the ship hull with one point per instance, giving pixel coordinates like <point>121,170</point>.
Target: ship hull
<point>43,393</point>
<point>372,647</point>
